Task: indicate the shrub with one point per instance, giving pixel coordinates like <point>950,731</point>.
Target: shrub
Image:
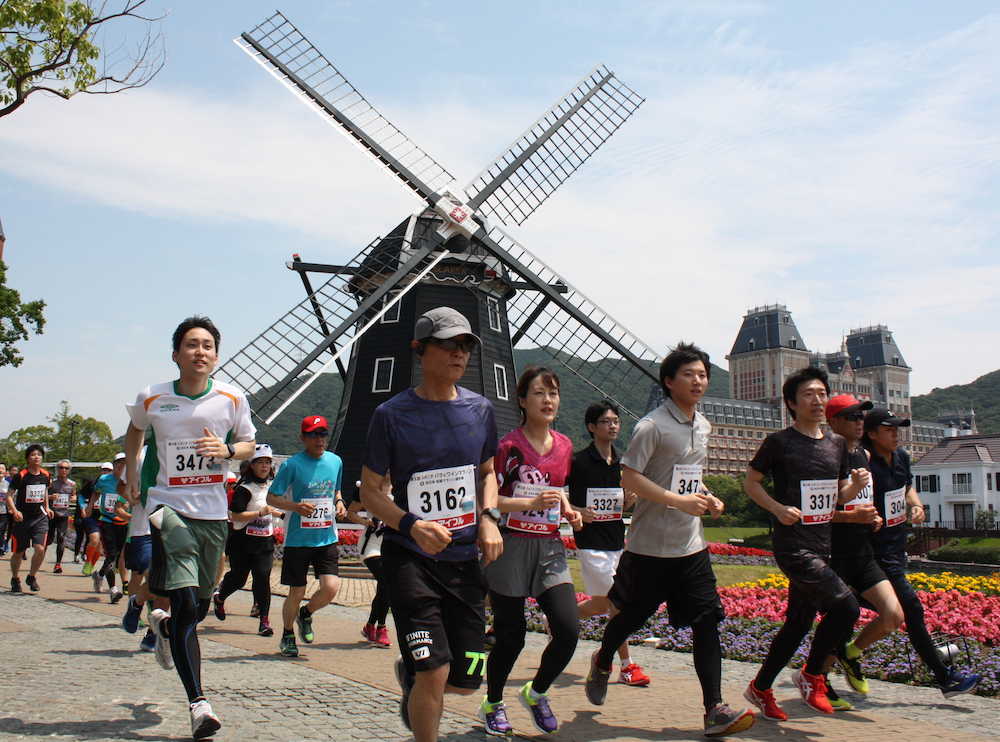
<point>979,551</point>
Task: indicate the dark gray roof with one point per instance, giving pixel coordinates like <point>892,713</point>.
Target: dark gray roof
<point>873,346</point>
<point>770,326</point>
<point>963,449</point>
<point>833,363</point>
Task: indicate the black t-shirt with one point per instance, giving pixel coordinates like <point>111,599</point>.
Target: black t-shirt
<point>238,537</point>
<point>886,478</point>
<point>29,492</point>
<point>791,458</point>
<point>851,540</point>
<point>591,470</point>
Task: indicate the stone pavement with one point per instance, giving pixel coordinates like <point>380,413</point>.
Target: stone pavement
<point>71,673</point>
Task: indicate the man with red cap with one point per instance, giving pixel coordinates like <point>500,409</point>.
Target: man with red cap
<point>308,486</point>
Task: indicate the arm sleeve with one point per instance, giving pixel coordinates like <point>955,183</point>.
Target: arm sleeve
<point>500,463</point>
<point>378,446</point>
<point>763,460</point>
<point>490,442</point>
<point>845,462</point>
<point>577,488</point>
<point>243,429</point>
<point>15,482</point>
<point>340,475</point>
<point>241,498</point>
<point>280,483</point>
<point>645,439</point>
<point>137,411</point>
<point>904,457</point>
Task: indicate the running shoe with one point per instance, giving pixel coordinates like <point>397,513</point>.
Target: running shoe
<point>382,638</point>
<point>32,583</point>
<point>204,723</point>
<point>632,674</point>
<point>959,682</point>
<point>541,712</point>
<point>219,606</point>
<point>287,646</point>
<point>15,585</point>
<point>764,700</point>
<point>148,643</point>
<point>76,559</point>
<point>368,632</point>
<point>264,628</point>
<point>305,623</point>
<point>156,619</point>
<point>255,610</point>
<point>57,570</point>
<point>88,569</point>
<point>130,621</point>
<point>812,688</point>
<point>596,686</point>
<point>494,718</point>
<point>96,579</point>
<point>405,681</point>
<point>116,595</point>
<point>849,659</point>
<point>722,720</point>
<point>836,702</point>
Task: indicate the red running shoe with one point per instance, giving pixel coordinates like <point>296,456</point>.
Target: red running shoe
<point>382,637</point>
<point>368,632</point>
<point>813,690</point>
<point>57,570</point>
<point>633,675</point>
<point>764,700</point>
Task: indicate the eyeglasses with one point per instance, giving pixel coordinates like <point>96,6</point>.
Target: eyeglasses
<point>64,468</point>
<point>466,345</point>
<point>610,421</point>
<point>854,417</point>
<point>317,434</point>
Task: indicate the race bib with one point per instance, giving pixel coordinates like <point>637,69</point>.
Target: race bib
<point>607,503</point>
<point>62,500</point>
<point>444,496</point>
<point>322,514</point>
<point>3,505</point>
<point>895,507</point>
<point>262,527</point>
<point>864,498</point>
<point>35,493</point>
<point>819,500</point>
<point>108,502</point>
<point>187,468</point>
<point>686,479</point>
<point>534,521</point>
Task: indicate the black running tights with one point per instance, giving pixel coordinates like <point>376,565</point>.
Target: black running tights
<point>913,612</point>
<point>509,625</point>
<point>186,610</point>
<point>380,603</point>
<point>242,566</point>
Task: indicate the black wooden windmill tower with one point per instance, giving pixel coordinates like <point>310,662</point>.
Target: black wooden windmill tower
<point>453,251</point>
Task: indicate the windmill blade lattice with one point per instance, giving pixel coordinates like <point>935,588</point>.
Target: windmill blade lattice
<point>278,46</point>
<point>552,149</point>
<point>572,329</point>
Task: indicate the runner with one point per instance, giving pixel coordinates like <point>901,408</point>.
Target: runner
<point>61,492</point>
<point>374,630</point>
<point>114,526</point>
<point>666,557</point>
<point>194,422</point>
<point>312,479</point>
<point>92,526</point>
<point>595,490</point>
<point>251,542</point>
<point>4,515</point>
<point>138,557</point>
<point>897,501</point>
<point>27,503</point>
<point>811,473</point>
<point>434,444</point>
<point>851,552</point>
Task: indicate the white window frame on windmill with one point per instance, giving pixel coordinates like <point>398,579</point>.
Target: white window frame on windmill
<point>392,370</point>
<point>391,315</point>
<point>499,372</point>
<point>493,310</point>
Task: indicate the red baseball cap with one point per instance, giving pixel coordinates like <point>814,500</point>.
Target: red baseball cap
<point>312,423</point>
<point>844,404</point>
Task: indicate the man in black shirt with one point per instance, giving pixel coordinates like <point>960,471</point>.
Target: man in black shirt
<point>811,475</point>
<point>27,502</point>
<point>595,490</point>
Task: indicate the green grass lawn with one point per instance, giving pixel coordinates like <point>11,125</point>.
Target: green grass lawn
<point>725,574</point>
<point>722,535</point>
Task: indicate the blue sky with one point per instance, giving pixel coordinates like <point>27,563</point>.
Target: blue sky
<point>842,160</point>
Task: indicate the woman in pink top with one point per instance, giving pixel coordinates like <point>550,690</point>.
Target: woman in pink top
<point>532,465</point>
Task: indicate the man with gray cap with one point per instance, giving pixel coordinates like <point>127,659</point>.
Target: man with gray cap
<point>434,444</point>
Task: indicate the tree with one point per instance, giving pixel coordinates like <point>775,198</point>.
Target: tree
<point>16,318</point>
<point>739,507</point>
<point>70,436</point>
<point>50,46</point>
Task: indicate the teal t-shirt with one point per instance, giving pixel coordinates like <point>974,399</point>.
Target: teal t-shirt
<point>107,492</point>
<point>317,480</point>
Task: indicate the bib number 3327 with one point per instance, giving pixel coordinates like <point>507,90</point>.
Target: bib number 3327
<point>445,496</point>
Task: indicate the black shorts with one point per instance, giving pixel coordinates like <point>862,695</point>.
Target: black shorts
<point>297,559</point>
<point>438,607</point>
<point>113,539</point>
<point>90,525</point>
<point>686,584</point>
<point>860,573</point>
<point>811,576</point>
<point>57,528</point>
<point>139,553</point>
<point>29,533</point>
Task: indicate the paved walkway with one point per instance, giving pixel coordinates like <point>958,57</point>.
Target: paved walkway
<point>70,673</point>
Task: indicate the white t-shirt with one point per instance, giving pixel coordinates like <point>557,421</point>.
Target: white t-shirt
<point>193,485</point>
<point>139,524</point>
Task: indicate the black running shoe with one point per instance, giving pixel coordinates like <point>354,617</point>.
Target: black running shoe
<point>32,583</point>
<point>405,681</point>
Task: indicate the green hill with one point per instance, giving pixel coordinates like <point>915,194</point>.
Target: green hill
<point>323,397</point>
<point>982,395</point>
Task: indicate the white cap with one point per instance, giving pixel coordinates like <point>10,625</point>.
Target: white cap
<point>231,476</point>
<point>262,451</point>
<point>107,465</point>
<point>119,456</point>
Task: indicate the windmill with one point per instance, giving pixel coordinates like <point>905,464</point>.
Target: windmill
<point>454,251</point>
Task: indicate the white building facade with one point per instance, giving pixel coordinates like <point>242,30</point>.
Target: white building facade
<point>959,477</point>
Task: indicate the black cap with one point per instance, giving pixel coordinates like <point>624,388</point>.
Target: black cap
<point>882,416</point>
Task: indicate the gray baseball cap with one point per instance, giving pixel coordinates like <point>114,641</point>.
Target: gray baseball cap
<point>442,323</point>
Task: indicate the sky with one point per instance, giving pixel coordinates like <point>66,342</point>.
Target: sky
<point>842,159</point>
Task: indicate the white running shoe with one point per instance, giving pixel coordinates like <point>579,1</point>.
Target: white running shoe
<point>162,643</point>
<point>204,723</point>
<point>97,579</point>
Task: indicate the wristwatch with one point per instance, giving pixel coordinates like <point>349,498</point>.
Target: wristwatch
<point>232,451</point>
<point>492,513</point>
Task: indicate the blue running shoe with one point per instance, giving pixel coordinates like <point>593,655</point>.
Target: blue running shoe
<point>959,682</point>
<point>130,621</point>
<point>148,643</point>
<point>541,712</point>
<point>494,717</point>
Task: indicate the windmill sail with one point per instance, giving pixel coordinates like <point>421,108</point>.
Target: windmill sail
<point>551,150</point>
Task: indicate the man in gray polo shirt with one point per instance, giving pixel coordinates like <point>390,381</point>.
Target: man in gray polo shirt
<point>666,557</point>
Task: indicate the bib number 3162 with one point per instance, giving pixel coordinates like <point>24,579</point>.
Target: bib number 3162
<point>445,496</point>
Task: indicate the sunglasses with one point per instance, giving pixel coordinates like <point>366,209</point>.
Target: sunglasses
<point>317,434</point>
<point>466,345</point>
<point>854,417</point>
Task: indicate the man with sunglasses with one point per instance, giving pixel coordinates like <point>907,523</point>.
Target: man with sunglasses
<point>308,486</point>
<point>61,492</point>
<point>434,444</point>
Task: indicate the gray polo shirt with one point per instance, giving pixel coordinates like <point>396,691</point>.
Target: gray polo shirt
<point>663,438</point>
